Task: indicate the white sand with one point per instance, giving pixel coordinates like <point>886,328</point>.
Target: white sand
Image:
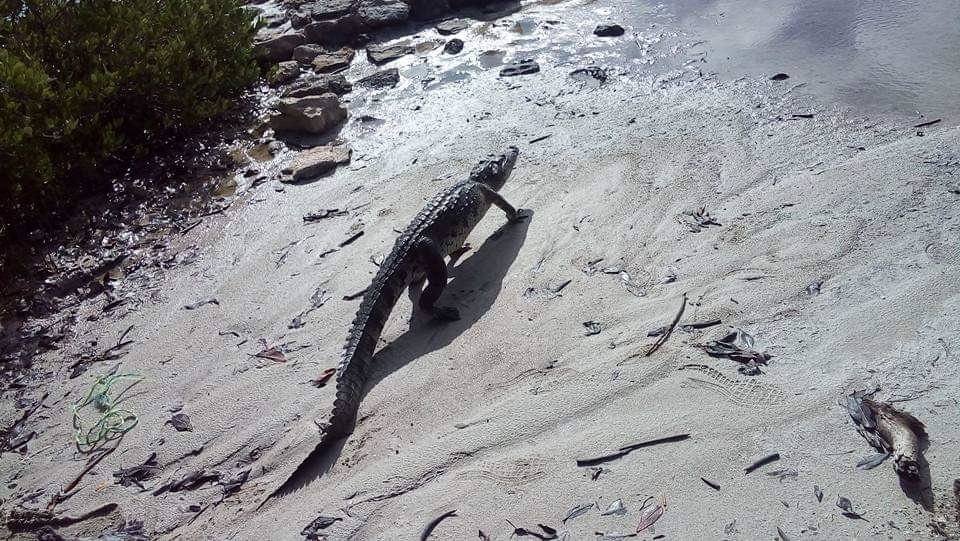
<point>798,203</point>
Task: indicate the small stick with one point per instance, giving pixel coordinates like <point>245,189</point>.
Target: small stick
<point>663,338</point>
<point>927,123</point>
<point>541,138</point>
<point>626,449</point>
<point>428,529</point>
<point>352,238</point>
<point>762,462</point>
<point>711,484</point>
<point>68,491</point>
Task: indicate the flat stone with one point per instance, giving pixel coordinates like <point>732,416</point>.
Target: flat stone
<point>382,79</point>
<point>331,9</point>
<point>454,46</point>
<point>333,60</point>
<point>608,30</point>
<point>381,13</point>
<point>279,48</point>
<point>343,31</point>
<point>318,85</point>
<point>284,73</point>
<point>298,19</point>
<point>381,54</point>
<point>305,54</point>
<point>314,114</point>
<point>451,26</point>
<point>315,162</point>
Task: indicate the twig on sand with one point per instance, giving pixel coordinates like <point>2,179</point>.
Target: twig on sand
<point>673,325</point>
<point>428,529</point>
<point>763,461</point>
<point>627,449</point>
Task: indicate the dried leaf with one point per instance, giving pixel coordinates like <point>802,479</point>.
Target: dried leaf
<point>577,510</point>
<point>615,508</point>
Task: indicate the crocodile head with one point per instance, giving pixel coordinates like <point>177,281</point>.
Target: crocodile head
<point>494,171</point>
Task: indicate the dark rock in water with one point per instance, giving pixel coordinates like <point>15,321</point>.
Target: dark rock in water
<point>382,79</point>
<point>381,13</point>
<point>381,54</point>
<point>314,115</point>
<point>316,86</point>
<point>454,46</point>
<point>780,77</point>
<point>305,54</point>
<point>608,30</point>
<point>332,60</point>
<point>428,9</point>
<point>278,49</point>
<point>336,33</point>
<point>520,67</point>
<point>284,73</point>
<point>451,26</point>
<point>316,161</point>
<point>330,9</point>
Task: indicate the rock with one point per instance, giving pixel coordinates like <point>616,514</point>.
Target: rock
<point>318,85</point>
<point>454,46</point>
<point>382,79</point>
<point>284,73</point>
<point>428,9</point>
<point>331,9</point>
<point>278,49</point>
<point>298,19</point>
<point>332,60</point>
<point>381,13</point>
<point>315,114</point>
<point>336,33</point>
<point>520,67</point>
<point>315,162</point>
<point>381,54</point>
<point>608,30</point>
<point>305,54</point>
<point>451,26</point>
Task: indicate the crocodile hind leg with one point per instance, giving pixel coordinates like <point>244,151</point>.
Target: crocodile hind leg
<point>436,271</point>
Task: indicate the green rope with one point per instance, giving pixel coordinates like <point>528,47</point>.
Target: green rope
<point>113,423</point>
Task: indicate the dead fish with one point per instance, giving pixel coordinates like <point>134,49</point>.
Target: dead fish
<point>576,511</point>
<point>890,430</point>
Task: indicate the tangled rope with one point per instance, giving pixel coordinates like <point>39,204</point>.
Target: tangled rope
<point>113,423</point>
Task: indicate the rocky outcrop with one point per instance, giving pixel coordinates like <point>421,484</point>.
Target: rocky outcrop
<point>381,13</point>
<point>381,54</point>
<point>381,79</point>
<point>336,33</point>
<point>278,48</point>
<point>285,72</point>
<point>318,85</point>
<point>332,60</point>
<point>315,162</point>
<point>312,115</point>
<point>451,26</point>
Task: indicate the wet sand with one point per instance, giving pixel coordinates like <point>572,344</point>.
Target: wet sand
<point>489,414</point>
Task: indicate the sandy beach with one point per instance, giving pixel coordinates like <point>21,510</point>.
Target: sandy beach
<point>835,244</point>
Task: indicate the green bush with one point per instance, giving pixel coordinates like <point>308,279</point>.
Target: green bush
<point>85,82</point>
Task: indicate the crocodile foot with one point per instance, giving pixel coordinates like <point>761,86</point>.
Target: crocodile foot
<point>519,216</point>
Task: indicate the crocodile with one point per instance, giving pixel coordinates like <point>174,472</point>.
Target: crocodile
<point>438,230</point>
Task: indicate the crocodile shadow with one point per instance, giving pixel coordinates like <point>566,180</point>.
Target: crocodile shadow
<point>482,271</point>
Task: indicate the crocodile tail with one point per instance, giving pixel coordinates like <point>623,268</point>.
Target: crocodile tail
<point>354,368</point>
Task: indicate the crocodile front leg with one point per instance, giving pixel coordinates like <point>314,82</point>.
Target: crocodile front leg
<point>495,198</point>
<point>436,270</point>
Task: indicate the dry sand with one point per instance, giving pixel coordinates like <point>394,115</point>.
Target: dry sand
<point>798,203</point>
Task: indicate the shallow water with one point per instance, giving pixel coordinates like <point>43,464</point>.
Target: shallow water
<point>889,56</point>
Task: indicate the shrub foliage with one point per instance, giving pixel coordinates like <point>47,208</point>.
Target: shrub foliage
<point>87,82</point>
